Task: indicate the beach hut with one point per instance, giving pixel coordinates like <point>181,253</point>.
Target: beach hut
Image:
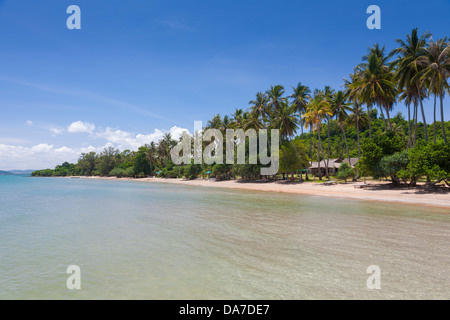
<point>333,165</point>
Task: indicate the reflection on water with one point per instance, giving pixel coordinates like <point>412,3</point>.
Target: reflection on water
<point>159,241</point>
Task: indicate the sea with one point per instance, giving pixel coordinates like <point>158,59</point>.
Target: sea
<point>65,238</point>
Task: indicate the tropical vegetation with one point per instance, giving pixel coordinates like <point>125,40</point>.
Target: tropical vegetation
<point>318,125</point>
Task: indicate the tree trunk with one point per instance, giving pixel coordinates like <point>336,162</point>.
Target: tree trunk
<point>311,146</point>
<point>395,180</point>
<point>415,123</point>
<point>369,111</point>
<point>442,118</point>
<point>409,126</point>
<point>346,144</point>
<point>357,134</point>
<point>389,119</point>
<point>424,121</point>
<point>319,151</point>
<point>328,151</point>
<point>298,156</point>
<point>434,122</point>
<point>382,116</point>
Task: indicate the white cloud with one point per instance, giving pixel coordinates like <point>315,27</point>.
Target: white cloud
<point>81,127</point>
<point>12,140</point>
<point>56,131</point>
<point>43,155</point>
<point>29,123</point>
<point>126,140</point>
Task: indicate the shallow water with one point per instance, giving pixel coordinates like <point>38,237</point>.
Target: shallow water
<point>136,240</point>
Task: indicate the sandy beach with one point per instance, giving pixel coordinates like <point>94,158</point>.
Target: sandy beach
<point>374,191</point>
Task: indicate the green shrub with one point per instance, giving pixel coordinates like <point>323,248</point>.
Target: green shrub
<point>345,172</point>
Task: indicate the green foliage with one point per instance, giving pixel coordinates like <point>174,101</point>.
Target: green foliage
<point>171,172</point>
<point>43,173</point>
<point>345,172</point>
<point>393,164</point>
<point>222,171</point>
<point>192,171</point>
<point>247,171</point>
<point>374,150</point>
<point>293,159</point>
<point>431,160</point>
<point>106,161</point>
<point>121,173</point>
<point>66,169</point>
<point>86,163</point>
<point>141,165</point>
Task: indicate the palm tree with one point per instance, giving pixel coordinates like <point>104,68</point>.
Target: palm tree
<point>252,121</point>
<point>259,105</point>
<point>407,97</point>
<point>275,95</point>
<point>286,120</point>
<point>215,123</point>
<point>353,92</point>
<point>357,118</point>
<point>237,121</point>
<point>300,98</point>
<point>436,71</point>
<point>226,123</point>
<point>164,147</point>
<point>151,153</point>
<point>376,82</point>
<point>340,108</point>
<point>329,93</point>
<point>317,110</point>
<point>411,52</point>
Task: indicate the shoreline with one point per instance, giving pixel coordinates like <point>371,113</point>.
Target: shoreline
<point>374,191</point>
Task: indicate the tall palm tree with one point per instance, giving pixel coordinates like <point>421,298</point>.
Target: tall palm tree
<point>376,82</point>
<point>151,152</point>
<point>353,92</point>
<point>318,109</point>
<point>286,120</point>
<point>340,108</point>
<point>237,119</point>
<point>357,118</point>
<point>407,97</point>
<point>436,72</point>
<point>411,52</point>
<point>253,122</point>
<point>275,95</point>
<point>300,96</point>
<point>226,123</point>
<point>215,123</point>
<point>259,106</point>
<point>329,93</point>
<point>164,147</point>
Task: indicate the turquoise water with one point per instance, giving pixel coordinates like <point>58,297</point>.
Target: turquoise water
<point>137,240</point>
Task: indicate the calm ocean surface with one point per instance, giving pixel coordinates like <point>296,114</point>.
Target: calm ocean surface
<point>136,240</point>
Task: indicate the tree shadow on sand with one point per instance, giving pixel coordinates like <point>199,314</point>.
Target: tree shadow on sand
<point>421,189</point>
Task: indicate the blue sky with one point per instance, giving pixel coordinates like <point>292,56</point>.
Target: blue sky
<point>137,69</point>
